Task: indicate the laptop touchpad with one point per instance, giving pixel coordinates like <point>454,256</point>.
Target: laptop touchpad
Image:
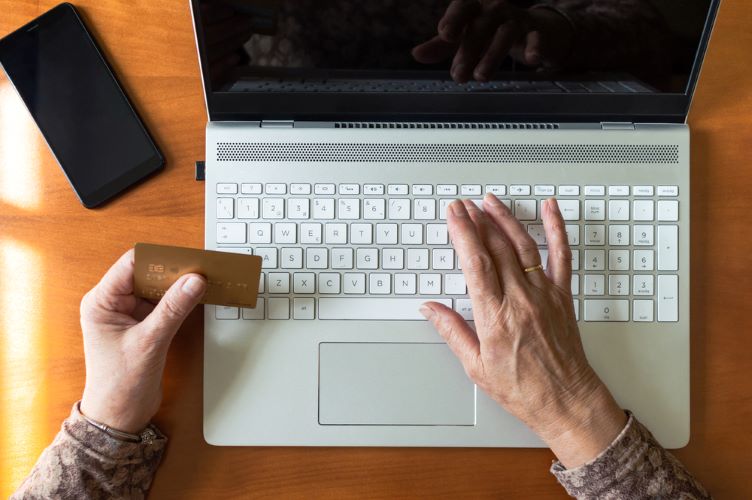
<point>393,384</point>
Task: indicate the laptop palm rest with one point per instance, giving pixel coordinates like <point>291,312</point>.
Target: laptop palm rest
<point>393,384</point>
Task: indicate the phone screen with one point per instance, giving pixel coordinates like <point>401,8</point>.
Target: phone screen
<point>73,96</point>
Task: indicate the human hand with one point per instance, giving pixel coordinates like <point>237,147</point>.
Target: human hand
<point>125,345</point>
<point>481,33</point>
<point>525,350</point>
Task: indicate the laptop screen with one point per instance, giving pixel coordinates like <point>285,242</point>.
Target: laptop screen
<point>451,46</point>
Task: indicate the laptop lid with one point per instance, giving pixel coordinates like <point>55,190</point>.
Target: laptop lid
<point>452,60</point>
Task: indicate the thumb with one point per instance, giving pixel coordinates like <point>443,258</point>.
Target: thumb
<point>176,304</point>
<point>455,331</point>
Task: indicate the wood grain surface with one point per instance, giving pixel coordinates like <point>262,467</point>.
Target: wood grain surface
<point>52,251</point>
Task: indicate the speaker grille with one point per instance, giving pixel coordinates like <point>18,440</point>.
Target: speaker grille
<point>448,153</point>
<point>452,125</point>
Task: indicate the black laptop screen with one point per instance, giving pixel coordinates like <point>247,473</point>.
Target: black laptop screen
<point>439,46</point>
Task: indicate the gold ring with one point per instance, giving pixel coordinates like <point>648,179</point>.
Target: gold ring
<point>534,268</point>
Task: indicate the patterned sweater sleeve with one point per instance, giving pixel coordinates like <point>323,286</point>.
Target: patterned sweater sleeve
<point>84,462</point>
<point>633,466</point>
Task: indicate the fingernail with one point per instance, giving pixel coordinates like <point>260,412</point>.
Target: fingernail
<point>193,286</point>
<point>426,311</point>
<point>457,208</point>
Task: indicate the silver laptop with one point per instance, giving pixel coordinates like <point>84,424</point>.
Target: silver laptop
<point>332,151</point>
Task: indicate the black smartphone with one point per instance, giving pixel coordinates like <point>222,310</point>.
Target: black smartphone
<point>73,95</point>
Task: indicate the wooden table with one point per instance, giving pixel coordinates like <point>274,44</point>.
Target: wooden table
<point>52,251</point>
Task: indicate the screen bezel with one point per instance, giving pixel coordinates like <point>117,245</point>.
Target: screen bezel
<point>127,178</point>
<point>508,107</point>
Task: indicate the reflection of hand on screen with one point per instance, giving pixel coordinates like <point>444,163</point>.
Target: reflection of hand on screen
<point>480,34</point>
<point>226,30</point>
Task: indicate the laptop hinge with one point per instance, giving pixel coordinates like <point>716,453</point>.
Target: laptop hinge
<point>617,126</point>
<point>277,123</point>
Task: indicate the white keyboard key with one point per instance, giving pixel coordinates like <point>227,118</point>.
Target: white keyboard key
<point>668,190</point>
<point>642,191</point>
<point>573,234</point>
<point>304,282</point>
<point>291,258</point>
<point>575,260</point>
<point>398,189</point>
<point>537,233</point>
<point>575,284</point>
<point>227,188</point>
<point>417,258</point>
<point>374,209</point>
<point>225,312</point>
<point>642,235</point>
<point>437,234</point>
<point>348,208</point>
<point>386,234</point>
<point>323,208</point>
<point>618,284</point>
<point>668,248</point>
<point>259,232</point>
<point>668,210</point>
<point>595,260</point>
<point>273,208</point>
<point>276,188</point>
<point>361,234</point>
<point>595,209</point>
<point>317,258</point>
<point>251,188</point>
<point>225,208</point>
<point>248,208</point>
<point>425,209</point>
<point>443,204</point>
<point>595,284</point>
<point>279,283</point>
<point>392,258</point>
<point>607,310</point>
<point>544,257</point>
<point>454,284</point>
<point>279,308</point>
<point>422,189</point>
<point>285,232</point>
<point>379,284</point>
<point>310,233</point>
<point>298,208</point>
<point>342,258</point>
<point>642,310</point>
<point>643,260</point>
<point>618,190</point>
<point>519,190</point>
<point>268,257</point>
<point>324,189</point>
<point>399,209</point>
<point>231,232</point>
<point>465,308</point>
<point>442,258</point>
<point>496,189</point>
<point>471,190</point>
<point>525,209</point>
<point>255,313</point>
<point>335,233</point>
<point>430,284</point>
<point>404,284</point>
<point>570,209</point>
<point>478,203</point>
<point>668,298</point>
<point>354,283</point>
<point>243,250</point>
<point>595,234</point>
<point>569,190</point>
<point>618,260</point>
<point>329,283</point>
<point>373,308</point>
<point>300,189</point>
<point>642,210</point>
<point>618,209</point>
<point>373,189</point>
<point>618,235</point>
<point>643,284</point>
<point>303,308</point>
<point>576,305</point>
<point>446,190</point>
<point>262,283</point>
<point>595,190</point>
<point>412,234</point>
<point>367,258</point>
<point>349,189</point>
<point>544,190</point>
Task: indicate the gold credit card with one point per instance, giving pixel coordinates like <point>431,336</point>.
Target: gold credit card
<point>232,279</point>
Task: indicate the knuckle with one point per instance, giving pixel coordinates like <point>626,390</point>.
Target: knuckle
<point>478,263</point>
<point>528,250</point>
<point>172,309</point>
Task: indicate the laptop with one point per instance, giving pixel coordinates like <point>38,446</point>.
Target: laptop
<point>332,150</point>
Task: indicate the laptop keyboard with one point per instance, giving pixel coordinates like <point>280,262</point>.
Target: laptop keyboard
<point>355,251</point>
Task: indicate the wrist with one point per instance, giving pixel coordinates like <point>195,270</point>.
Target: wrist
<point>120,419</point>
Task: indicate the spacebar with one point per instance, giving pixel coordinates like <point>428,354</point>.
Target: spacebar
<point>374,308</point>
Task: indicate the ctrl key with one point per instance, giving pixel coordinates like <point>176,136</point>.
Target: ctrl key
<point>606,310</point>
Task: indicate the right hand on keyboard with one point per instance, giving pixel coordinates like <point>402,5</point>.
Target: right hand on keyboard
<point>525,351</point>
